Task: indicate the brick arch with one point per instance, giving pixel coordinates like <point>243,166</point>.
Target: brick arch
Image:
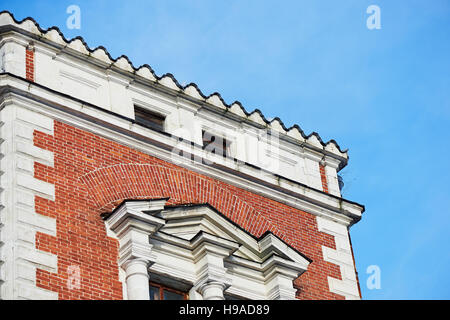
<point>108,186</point>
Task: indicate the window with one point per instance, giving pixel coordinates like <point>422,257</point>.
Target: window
<point>231,297</point>
<point>149,118</point>
<point>160,292</point>
<point>216,144</point>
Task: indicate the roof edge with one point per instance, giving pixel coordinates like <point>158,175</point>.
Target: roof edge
<point>168,80</point>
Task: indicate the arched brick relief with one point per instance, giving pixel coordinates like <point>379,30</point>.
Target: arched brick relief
<point>110,185</point>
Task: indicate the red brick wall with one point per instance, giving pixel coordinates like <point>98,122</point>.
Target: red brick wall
<point>323,177</point>
<point>92,175</point>
<point>29,63</point>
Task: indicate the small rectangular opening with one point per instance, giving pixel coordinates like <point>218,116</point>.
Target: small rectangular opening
<point>149,118</point>
<point>216,144</point>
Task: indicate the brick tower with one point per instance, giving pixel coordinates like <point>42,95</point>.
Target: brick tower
<point>117,183</point>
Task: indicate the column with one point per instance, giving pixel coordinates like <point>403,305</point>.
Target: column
<point>137,279</point>
<point>213,290</point>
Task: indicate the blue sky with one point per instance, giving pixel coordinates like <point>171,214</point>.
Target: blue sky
<point>384,94</point>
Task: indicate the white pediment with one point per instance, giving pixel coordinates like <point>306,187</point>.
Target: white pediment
<point>180,237</point>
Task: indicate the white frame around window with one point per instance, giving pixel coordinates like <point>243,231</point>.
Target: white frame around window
<point>197,245</point>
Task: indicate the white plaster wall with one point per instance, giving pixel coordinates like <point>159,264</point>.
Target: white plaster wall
<point>120,98</point>
<point>332,181</point>
<point>13,58</point>
<point>46,68</point>
<point>312,173</point>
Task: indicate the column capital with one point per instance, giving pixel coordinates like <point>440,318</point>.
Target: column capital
<point>212,290</point>
<point>135,245</point>
<point>129,265</point>
<point>279,278</point>
<point>133,222</point>
<point>209,252</point>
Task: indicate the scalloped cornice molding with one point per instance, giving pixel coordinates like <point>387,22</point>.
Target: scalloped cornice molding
<point>78,44</point>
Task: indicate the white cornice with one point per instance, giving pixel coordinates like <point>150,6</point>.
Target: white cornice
<point>326,205</point>
<point>121,66</point>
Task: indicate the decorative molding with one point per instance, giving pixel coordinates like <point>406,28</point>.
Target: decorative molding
<point>133,228</point>
<point>80,80</point>
<point>217,256</point>
<point>77,48</point>
<point>317,203</point>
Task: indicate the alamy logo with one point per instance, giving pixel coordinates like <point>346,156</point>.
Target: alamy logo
<point>374,20</point>
<point>74,20</point>
<point>263,148</point>
<point>74,277</point>
<point>374,280</point>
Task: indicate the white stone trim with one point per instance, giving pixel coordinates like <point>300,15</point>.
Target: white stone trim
<point>215,258</point>
<point>341,256</point>
<point>19,222</point>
